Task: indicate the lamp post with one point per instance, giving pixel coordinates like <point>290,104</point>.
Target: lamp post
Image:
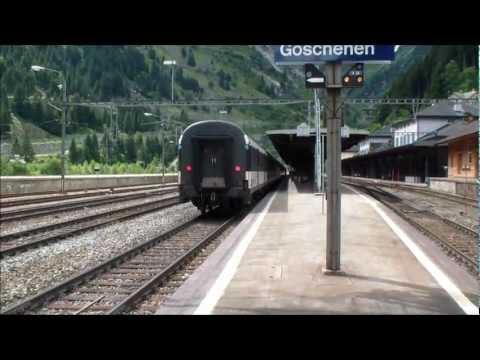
<point>171,63</point>
<point>38,68</point>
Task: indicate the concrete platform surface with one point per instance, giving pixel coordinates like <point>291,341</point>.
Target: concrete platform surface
<point>279,270</point>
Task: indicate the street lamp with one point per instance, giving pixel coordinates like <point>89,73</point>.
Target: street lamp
<point>171,63</point>
<point>37,68</point>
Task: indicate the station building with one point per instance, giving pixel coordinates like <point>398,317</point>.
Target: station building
<point>439,146</point>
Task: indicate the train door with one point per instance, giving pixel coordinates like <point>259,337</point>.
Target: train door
<point>215,162</point>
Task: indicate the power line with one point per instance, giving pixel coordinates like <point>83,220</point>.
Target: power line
<point>271,102</point>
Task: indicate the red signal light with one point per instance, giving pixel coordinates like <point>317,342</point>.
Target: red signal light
<point>238,168</point>
<point>188,168</point>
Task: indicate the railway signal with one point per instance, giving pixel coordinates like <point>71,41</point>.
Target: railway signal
<point>314,78</point>
<point>354,77</point>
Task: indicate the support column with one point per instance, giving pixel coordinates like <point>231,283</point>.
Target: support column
<point>334,171</point>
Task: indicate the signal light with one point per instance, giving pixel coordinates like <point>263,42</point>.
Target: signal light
<point>188,168</point>
<point>238,168</point>
<point>354,76</point>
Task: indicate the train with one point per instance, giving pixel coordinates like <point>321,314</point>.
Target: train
<point>221,166</point>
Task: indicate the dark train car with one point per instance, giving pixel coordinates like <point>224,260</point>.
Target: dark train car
<point>221,166</point>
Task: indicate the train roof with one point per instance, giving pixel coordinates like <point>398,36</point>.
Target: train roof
<point>248,140</point>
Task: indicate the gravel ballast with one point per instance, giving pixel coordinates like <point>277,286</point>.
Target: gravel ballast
<point>17,226</point>
<point>461,214</point>
<point>26,274</point>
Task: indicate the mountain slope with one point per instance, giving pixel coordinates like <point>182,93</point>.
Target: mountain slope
<point>103,73</point>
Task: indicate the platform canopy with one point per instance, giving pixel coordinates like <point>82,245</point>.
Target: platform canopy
<point>298,152</point>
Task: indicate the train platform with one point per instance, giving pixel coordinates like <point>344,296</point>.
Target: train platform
<point>273,263</point>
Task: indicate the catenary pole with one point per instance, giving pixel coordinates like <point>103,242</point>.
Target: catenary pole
<point>334,121</point>
<point>64,129</point>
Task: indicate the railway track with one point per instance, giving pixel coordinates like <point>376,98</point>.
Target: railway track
<point>460,242</point>
<point>56,196</point>
<point>435,194</point>
<point>11,244</point>
<point>22,214</point>
<point>117,284</point>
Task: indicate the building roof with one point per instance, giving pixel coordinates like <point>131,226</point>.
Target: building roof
<point>439,137</point>
<point>385,131</point>
<point>470,109</point>
<point>440,110</point>
<point>460,129</point>
<point>383,147</point>
<point>353,149</point>
<point>448,132</point>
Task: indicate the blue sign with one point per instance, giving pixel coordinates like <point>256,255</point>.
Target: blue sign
<point>318,54</point>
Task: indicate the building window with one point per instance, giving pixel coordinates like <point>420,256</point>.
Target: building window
<point>459,163</point>
<point>467,160</point>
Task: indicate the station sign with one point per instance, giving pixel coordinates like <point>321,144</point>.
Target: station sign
<point>345,132</point>
<point>319,54</point>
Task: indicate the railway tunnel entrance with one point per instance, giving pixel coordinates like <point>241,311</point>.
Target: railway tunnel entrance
<point>298,152</point>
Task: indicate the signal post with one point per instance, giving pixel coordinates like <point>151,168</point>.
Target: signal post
<point>334,121</point>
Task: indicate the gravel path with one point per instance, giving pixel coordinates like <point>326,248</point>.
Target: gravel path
<point>28,273</point>
<point>16,226</point>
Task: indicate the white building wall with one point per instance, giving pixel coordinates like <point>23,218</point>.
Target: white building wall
<point>365,145</point>
<point>409,133</point>
<point>405,134</point>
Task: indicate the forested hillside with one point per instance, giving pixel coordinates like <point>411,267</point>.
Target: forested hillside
<point>104,73</point>
<point>444,70</point>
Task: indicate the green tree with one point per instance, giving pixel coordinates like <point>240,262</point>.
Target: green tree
<point>87,149</point>
<point>452,76</point>
<point>16,147</point>
<point>152,54</point>
<point>105,145</point>
<point>95,150</point>
<point>140,147</point>
<point>19,105</point>
<point>130,151</point>
<point>118,153</point>
<point>469,79</point>
<point>191,59</point>
<point>28,153</point>
<point>74,154</point>
<point>184,52</point>
<point>184,119</point>
<point>5,118</point>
